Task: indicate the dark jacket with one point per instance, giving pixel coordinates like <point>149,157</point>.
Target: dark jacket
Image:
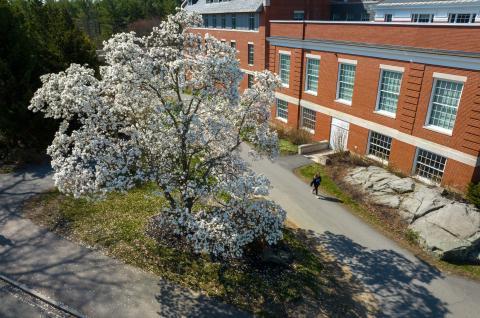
<point>316,181</point>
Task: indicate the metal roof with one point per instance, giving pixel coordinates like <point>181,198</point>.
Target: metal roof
<point>399,3</point>
<point>232,6</point>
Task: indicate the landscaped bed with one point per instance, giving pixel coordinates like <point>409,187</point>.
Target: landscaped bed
<point>383,218</point>
<point>296,278</point>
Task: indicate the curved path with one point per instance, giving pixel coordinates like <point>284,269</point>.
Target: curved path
<point>404,285</point>
<point>82,279</point>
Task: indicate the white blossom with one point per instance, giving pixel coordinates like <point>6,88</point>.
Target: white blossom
<point>166,108</point>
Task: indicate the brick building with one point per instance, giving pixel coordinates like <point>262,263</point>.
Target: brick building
<point>406,94</point>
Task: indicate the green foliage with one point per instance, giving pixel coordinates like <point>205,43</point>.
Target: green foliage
<point>293,135</point>
<point>37,38</point>
<point>473,194</point>
<point>287,148</point>
<point>412,236</point>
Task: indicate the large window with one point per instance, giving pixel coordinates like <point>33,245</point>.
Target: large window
<point>251,21</point>
<point>308,118</point>
<point>224,21</point>
<point>282,109</point>
<point>234,21</point>
<point>387,17</point>
<point>389,90</point>
<point>430,166</point>
<point>346,79</point>
<point>250,80</point>
<point>461,17</point>
<point>285,69</point>
<point>311,82</point>
<point>214,21</point>
<point>250,54</point>
<point>422,17</point>
<point>444,104</point>
<point>205,20</point>
<point>379,145</point>
<point>233,44</point>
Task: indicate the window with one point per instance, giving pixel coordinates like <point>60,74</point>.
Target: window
<point>224,21</point>
<point>250,80</point>
<point>205,21</point>
<point>223,41</point>
<point>299,15</point>
<point>461,18</point>
<point>379,145</point>
<point>285,69</point>
<point>346,79</point>
<point>214,21</point>
<point>365,17</point>
<point>422,17</point>
<point>444,104</point>
<point>250,54</point>
<point>311,81</point>
<point>387,17</point>
<point>430,166</point>
<point>282,109</point>
<point>234,21</point>
<point>308,118</point>
<point>251,21</point>
<point>233,44</point>
<point>389,90</point>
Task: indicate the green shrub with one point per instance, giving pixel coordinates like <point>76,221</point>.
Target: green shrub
<point>473,194</point>
<point>294,135</point>
<point>412,236</point>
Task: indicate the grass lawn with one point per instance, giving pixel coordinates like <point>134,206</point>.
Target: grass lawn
<point>312,282</point>
<point>287,147</point>
<point>405,238</point>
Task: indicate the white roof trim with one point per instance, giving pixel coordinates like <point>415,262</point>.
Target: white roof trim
<point>450,77</point>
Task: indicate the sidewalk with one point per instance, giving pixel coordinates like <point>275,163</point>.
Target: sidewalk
<point>404,285</point>
<point>85,280</point>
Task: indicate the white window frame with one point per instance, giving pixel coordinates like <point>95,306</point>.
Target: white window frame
<point>276,110</point>
<point>311,131</point>
<point>340,62</point>
<point>312,57</point>
<point>443,77</point>
<point>250,44</point>
<point>388,68</point>
<point>423,179</point>
<point>371,156</point>
<point>289,54</point>
<point>431,17</point>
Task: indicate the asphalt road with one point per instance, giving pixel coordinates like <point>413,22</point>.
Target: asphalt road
<point>403,285</point>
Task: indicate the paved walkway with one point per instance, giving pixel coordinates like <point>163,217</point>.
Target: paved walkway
<point>84,280</point>
<point>403,284</point>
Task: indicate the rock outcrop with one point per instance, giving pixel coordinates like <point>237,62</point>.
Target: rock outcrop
<point>449,229</point>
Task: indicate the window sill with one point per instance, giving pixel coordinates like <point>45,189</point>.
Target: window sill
<point>250,64</point>
<point>281,119</point>
<point>311,93</point>
<point>377,159</point>
<point>427,181</point>
<point>385,113</point>
<point>285,85</point>
<point>343,101</point>
<point>439,130</point>
<point>311,131</point>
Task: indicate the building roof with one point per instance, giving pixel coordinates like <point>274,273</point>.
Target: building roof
<point>232,6</point>
<point>399,3</point>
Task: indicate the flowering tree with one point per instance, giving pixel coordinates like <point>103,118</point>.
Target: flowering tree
<point>167,109</point>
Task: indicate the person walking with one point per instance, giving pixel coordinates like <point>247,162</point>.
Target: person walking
<point>316,183</point>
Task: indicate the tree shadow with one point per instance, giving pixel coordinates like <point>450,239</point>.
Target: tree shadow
<point>397,282</point>
<point>175,302</point>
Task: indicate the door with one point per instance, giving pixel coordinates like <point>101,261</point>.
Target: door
<point>339,135</point>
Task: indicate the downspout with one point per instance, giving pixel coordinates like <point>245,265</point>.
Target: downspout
<point>302,63</point>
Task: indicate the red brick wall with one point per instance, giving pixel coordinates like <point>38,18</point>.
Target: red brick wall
<point>402,156</point>
<point>458,175</point>
<point>461,38</point>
